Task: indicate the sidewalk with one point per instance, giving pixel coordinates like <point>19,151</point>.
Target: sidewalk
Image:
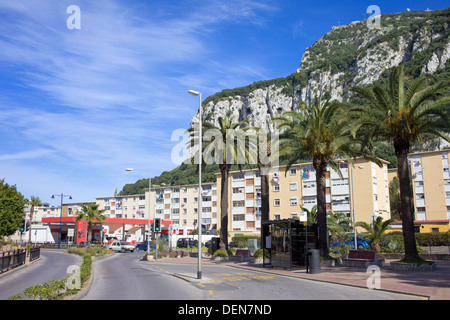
<point>433,285</point>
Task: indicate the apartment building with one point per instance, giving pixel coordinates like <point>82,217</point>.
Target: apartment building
<point>123,207</point>
<point>431,189</point>
<point>180,205</point>
<point>294,189</point>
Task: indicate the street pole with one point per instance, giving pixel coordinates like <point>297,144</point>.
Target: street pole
<point>149,210</point>
<point>60,216</point>
<point>353,210</point>
<point>200,198</point>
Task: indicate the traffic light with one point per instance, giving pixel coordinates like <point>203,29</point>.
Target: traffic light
<point>157,225</point>
<point>25,226</point>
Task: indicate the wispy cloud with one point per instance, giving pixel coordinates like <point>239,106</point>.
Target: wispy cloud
<point>110,94</point>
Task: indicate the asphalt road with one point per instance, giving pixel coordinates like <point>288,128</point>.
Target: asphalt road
<point>52,265</point>
<point>125,276</point>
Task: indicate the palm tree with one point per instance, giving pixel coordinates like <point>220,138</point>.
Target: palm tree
<point>91,213</point>
<point>217,150</point>
<point>322,133</point>
<point>311,215</point>
<point>401,113</point>
<point>376,231</point>
<point>33,202</point>
<point>338,224</point>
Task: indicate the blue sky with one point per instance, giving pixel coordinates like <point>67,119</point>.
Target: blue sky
<point>78,106</point>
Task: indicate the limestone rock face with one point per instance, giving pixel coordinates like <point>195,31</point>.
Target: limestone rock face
<point>348,55</point>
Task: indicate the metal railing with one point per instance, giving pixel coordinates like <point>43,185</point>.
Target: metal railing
<point>35,253</point>
<point>12,259</point>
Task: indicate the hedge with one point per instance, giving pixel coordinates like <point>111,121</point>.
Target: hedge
<point>241,240</point>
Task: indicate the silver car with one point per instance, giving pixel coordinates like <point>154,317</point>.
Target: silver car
<point>121,246</point>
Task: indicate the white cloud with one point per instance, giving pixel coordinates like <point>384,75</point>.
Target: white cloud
<point>87,103</point>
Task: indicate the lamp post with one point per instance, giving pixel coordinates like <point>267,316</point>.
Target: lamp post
<point>149,202</point>
<point>60,215</point>
<point>353,208</point>
<point>199,269</point>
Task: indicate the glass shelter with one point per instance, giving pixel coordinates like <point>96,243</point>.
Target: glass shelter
<point>288,242</point>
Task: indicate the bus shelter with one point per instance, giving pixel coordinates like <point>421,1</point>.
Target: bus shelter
<point>289,242</point>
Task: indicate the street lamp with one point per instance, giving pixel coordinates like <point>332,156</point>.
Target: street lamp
<point>196,93</point>
<point>60,215</point>
<point>353,208</point>
<point>149,201</point>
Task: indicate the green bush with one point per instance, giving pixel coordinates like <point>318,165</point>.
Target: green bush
<point>85,268</point>
<point>220,253</point>
<point>241,240</point>
<point>260,252</point>
<point>433,239</point>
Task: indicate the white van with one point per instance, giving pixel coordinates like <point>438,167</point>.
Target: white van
<point>118,246</point>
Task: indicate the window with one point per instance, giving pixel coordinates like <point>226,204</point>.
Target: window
<point>293,201</point>
<point>238,203</point>
<point>308,185</point>
<point>293,171</point>
<point>276,202</point>
<point>309,200</point>
<point>276,187</point>
<point>293,186</point>
<point>238,176</point>
<point>277,216</point>
<point>238,190</point>
<point>339,182</point>
<point>238,217</point>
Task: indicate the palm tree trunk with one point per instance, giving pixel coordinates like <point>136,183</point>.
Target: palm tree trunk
<point>224,169</point>
<point>320,165</point>
<point>406,209</point>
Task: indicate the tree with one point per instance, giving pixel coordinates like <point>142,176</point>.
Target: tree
<point>90,213</point>
<point>217,149</point>
<point>33,202</point>
<point>338,225</point>
<point>322,133</point>
<point>12,204</point>
<point>375,231</point>
<point>401,113</point>
<point>311,215</point>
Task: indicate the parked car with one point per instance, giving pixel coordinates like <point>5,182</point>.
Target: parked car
<point>120,246</point>
<point>143,246</point>
<point>360,242</point>
<point>186,243</point>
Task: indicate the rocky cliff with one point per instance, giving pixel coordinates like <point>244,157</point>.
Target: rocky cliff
<point>353,54</point>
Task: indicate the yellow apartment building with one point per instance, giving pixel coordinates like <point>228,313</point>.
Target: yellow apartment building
<point>294,189</point>
<point>431,188</point>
